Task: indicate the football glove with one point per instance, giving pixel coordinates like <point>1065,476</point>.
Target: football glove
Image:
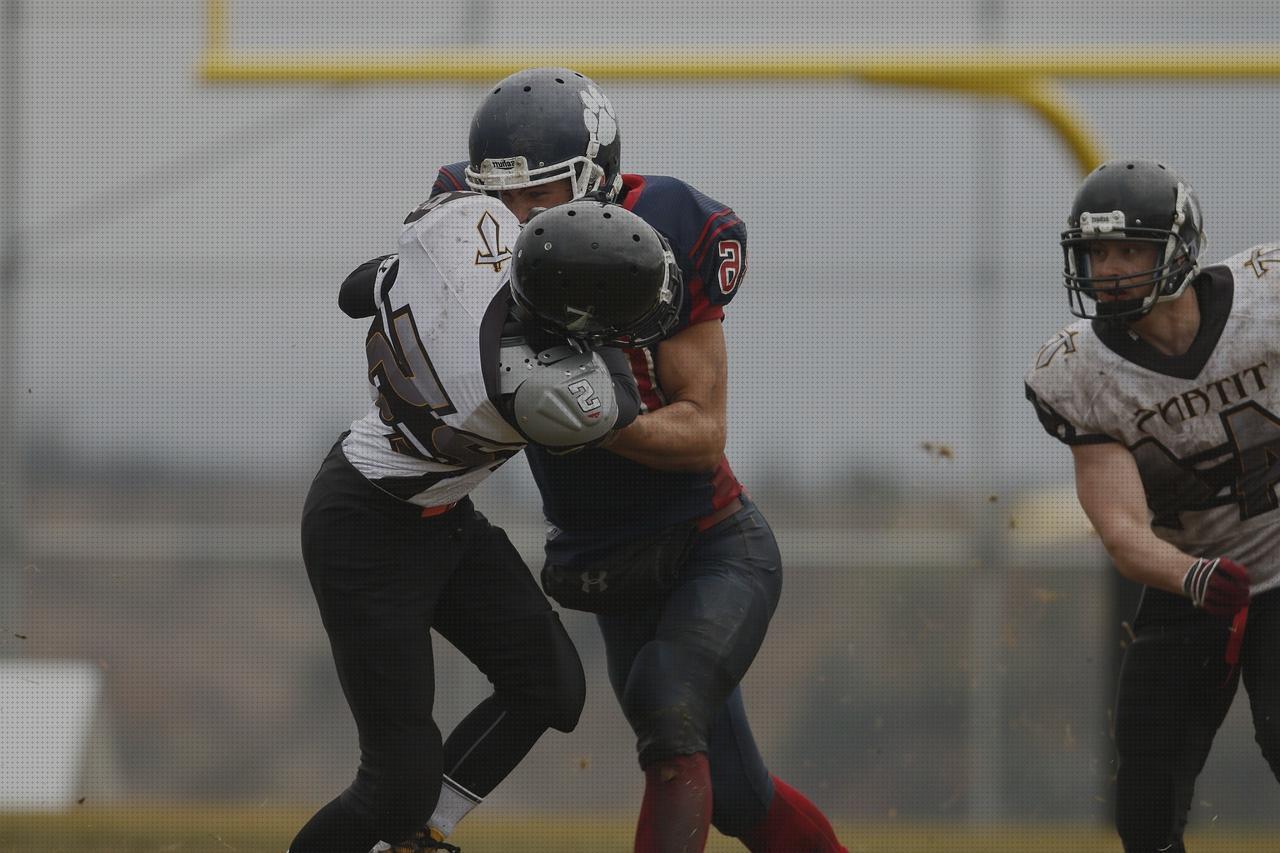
<point>1220,586</point>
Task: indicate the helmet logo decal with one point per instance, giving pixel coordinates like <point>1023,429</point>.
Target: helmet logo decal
<point>598,117</point>
<point>1185,207</point>
<point>495,254</point>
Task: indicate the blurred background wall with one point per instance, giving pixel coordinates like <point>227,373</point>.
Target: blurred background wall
<point>178,367</point>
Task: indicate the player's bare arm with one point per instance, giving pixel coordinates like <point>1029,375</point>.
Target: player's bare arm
<point>1110,491</point>
<point>687,434</point>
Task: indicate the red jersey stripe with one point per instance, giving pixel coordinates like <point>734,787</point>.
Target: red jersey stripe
<point>702,309</point>
<point>697,258</point>
<point>706,226</point>
<point>651,398</point>
<point>447,182</point>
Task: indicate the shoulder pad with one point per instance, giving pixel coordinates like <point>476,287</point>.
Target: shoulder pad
<point>434,202</point>
<point>1059,387</point>
<point>561,397</point>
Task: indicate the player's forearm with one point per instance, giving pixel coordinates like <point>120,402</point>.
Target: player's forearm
<point>680,436</point>
<point>1142,557</point>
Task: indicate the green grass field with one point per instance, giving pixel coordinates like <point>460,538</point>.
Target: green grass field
<point>216,830</point>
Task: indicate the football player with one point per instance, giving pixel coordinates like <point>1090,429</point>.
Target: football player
<point>462,377</point>
<point>650,529</point>
<point>1167,391</point>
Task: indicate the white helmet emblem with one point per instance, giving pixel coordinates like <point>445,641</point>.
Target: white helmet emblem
<point>598,117</point>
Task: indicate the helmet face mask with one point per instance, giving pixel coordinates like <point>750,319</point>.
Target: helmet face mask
<point>543,125</point>
<point>1134,202</point>
<point>513,173</point>
<point>598,274</point>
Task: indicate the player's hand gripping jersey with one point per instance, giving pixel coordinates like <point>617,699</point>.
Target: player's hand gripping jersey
<point>604,495</point>
<point>457,387</point>
<point>1204,427</point>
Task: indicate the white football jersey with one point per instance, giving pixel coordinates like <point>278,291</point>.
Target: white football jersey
<point>433,433</point>
<point>1204,427</point>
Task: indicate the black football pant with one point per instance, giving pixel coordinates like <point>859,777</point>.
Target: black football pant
<point>383,576</point>
<point>675,666</point>
<point>1175,690</point>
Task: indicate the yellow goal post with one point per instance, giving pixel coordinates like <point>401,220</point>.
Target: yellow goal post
<point>1027,77</point>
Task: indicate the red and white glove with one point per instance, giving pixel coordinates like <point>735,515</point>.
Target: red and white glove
<point>1220,586</point>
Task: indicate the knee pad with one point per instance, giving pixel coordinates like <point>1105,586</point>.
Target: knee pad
<point>670,695</point>
<point>549,682</point>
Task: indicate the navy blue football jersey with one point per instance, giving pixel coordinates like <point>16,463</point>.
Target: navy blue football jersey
<point>595,498</point>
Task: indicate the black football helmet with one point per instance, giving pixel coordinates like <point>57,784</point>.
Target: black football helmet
<point>1135,200</point>
<point>598,273</point>
<point>542,125</point>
